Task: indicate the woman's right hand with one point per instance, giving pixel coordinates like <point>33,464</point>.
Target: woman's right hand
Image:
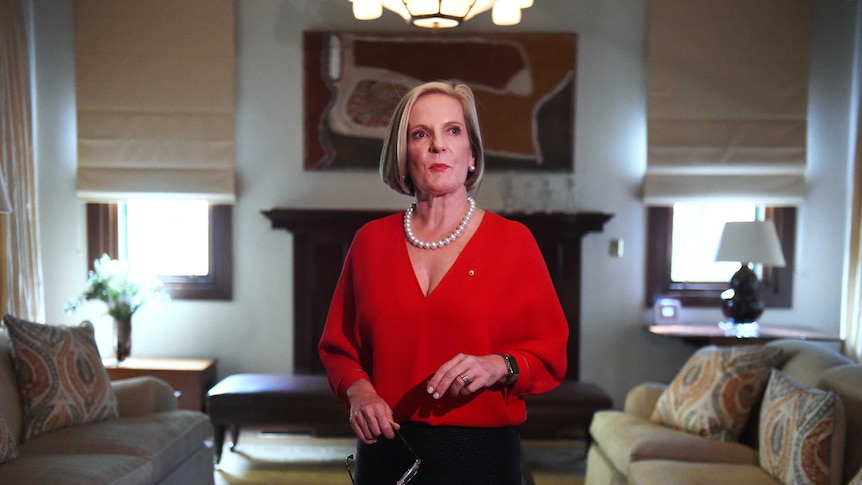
<point>370,416</point>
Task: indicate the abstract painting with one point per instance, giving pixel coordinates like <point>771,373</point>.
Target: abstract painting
<point>524,86</point>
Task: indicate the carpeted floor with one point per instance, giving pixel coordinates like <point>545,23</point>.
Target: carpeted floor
<point>264,458</point>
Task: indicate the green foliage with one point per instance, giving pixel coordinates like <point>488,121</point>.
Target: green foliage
<point>111,282</point>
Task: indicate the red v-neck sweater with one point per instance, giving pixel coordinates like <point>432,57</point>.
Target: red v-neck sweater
<point>496,298</point>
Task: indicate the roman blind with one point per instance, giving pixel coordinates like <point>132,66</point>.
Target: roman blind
<point>155,99</point>
<point>727,99</point>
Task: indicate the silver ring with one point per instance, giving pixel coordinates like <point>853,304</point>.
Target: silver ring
<point>466,379</point>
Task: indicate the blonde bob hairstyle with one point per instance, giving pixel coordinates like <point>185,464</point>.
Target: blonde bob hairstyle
<point>393,157</point>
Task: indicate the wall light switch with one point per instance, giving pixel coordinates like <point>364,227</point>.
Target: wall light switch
<point>617,248</point>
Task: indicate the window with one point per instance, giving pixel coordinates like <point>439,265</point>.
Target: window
<point>187,243</point>
<point>681,246</point>
<point>695,232</point>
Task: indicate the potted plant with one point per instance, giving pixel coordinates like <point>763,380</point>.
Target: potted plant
<point>111,282</point>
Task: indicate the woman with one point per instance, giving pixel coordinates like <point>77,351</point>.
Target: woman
<point>444,317</point>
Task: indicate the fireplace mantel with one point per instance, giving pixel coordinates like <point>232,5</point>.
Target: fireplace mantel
<point>321,238</point>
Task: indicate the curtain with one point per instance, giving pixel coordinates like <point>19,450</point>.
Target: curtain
<point>20,267</point>
<point>155,99</point>
<point>727,101</point>
<point>852,319</point>
<point>853,304</point>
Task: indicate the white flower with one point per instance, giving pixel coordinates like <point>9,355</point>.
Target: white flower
<point>111,282</point>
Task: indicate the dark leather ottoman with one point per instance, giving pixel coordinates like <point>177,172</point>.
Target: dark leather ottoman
<point>306,401</point>
<point>564,412</point>
<point>302,401</point>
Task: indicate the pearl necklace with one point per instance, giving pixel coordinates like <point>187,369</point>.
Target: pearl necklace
<point>408,229</point>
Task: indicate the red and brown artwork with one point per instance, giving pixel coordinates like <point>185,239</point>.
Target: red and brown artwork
<point>524,86</point>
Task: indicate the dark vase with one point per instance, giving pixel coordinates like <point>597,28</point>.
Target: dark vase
<point>122,338</point>
<point>743,304</point>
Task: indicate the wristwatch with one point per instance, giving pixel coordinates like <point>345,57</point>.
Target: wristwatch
<point>512,367</point>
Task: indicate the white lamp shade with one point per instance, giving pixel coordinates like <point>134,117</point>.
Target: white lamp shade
<point>750,242</point>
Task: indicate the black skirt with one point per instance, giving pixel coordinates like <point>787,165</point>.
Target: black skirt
<point>449,455</point>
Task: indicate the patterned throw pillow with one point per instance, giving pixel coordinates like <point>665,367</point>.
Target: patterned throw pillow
<point>8,447</point>
<point>61,378</point>
<point>715,391</point>
<point>795,437</point>
<point>857,479</point>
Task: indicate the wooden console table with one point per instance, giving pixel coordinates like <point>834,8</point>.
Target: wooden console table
<point>706,334</point>
<point>191,377</point>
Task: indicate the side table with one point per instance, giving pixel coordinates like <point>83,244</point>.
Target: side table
<point>191,377</point>
<point>705,334</point>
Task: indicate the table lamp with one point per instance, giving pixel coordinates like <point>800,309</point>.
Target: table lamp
<point>749,243</point>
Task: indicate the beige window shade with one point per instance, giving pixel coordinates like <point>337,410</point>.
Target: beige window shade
<point>155,99</point>
<point>727,100</point>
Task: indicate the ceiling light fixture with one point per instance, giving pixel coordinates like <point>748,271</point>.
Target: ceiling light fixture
<point>442,14</point>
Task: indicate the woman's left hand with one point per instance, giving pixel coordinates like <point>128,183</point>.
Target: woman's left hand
<point>465,374</point>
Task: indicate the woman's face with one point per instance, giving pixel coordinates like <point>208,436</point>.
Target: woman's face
<point>438,145</point>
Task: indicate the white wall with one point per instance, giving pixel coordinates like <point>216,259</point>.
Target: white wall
<point>253,333</point>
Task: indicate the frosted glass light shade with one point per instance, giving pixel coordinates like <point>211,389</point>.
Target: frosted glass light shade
<point>506,12</point>
<point>367,9</point>
<point>750,242</point>
<point>443,14</point>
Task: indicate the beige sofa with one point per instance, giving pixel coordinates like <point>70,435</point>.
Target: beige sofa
<point>630,448</point>
<point>152,442</point>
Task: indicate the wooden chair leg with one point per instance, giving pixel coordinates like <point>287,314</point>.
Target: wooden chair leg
<point>218,442</point>
<point>234,436</point>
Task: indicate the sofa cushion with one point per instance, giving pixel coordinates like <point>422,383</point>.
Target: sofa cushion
<point>641,399</point>
<point>846,382</point>
<point>714,392</point>
<point>77,470</point>
<point>667,472</point>
<point>8,446</point>
<point>61,379</point>
<point>796,433</point>
<point>164,440</point>
<point>805,360</point>
<point>625,439</point>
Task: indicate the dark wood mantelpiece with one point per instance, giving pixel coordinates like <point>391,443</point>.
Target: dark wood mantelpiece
<point>322,237</point>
